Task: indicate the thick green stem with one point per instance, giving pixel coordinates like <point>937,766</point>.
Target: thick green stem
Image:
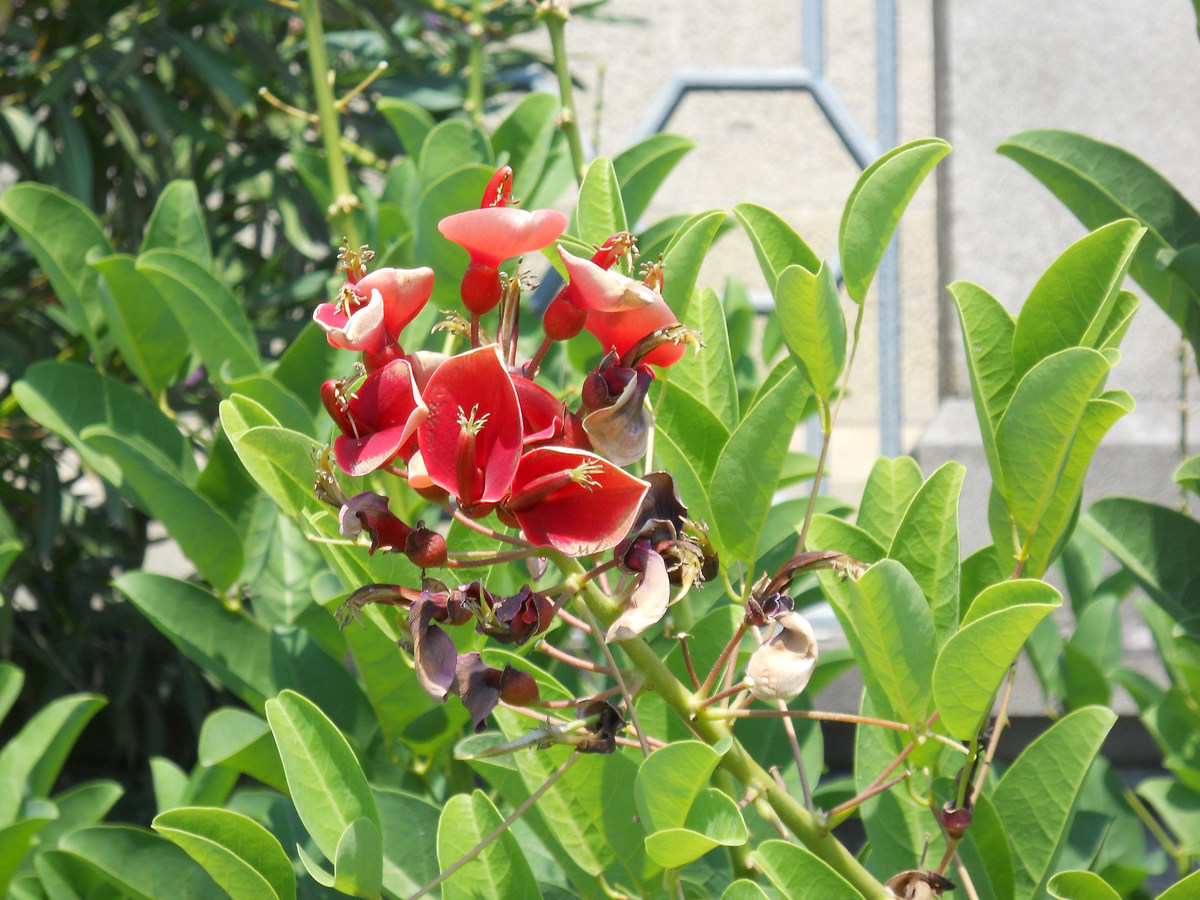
<point>341,213</point>
<point>737,762</point>
<point>475,64</point>
<point>556,21</point>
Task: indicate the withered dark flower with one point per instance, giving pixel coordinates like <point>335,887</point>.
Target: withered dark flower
<point>915,885</point>
<point>510,620</point>
<point>648,601</point>
<point>602,734</point>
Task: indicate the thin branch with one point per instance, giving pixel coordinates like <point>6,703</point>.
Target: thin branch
<point>499,829</point>
<point>722,695</point>
<point>790,729</point>
<point>865,795</point>
<point>562,656</point>
<point>462,517</point>
<point>1001,719</point>
<point>687,660</point>
<point>733,644</point>
<point>804,714</point>
<point>633,719</point>
<point>457,560</point>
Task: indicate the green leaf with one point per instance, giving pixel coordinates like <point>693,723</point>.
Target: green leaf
<point>987,330</point>
<point>12,679</point>
<point>599,212</point>
<point>409,840</point>
<point>827,532</point>
<point>83,804</point>
<point>290,563</point>
<point>75,160</point>
<point>220,333</point>
<point>926,542</point>
<point>1045,441</point>
<point>669,779</point>
<point>15,842</point>
<point>875,206</point>
<point>203,533</point>
<point>799,875</point>
<point>747,471</point>
<point>1101,183</point>
<point>688,440</point>
<point>68,398</point>
<point>1188,475</point>
<point>146,332</point>
<point>1185,889</point>
<point>177,223</point>
<point>139,863</point>
<point>266,451</point>
<point>1071,303</point>
<point>526,136</point>
<point>170,783</point>
<point>358,868</point>
<point>228,644</point>
<point>713,821</point>
<point>411,123</point>
<point>642,168</point>
<point>324,777</point>
<point>814,328</point>
<point>894,626</point>
<point>1037,794</point>
<point>890,488</point>
<point>973,662</point>
<point>499,872</point>
<point>30,761</point>
<point>241,856</point>
<point>1159,545</point>
<point>1179,808</point>
<point>61,233</point>
<point>708,375</point>
<point>743,889</point>
<point>287,409</point>
<point>684,255</point>
<point>242,741</point>
<point>775,243</point>
<point>450,145</point>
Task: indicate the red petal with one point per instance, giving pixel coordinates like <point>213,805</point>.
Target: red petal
<point>541,411</point>
<point>579,520</point>
<point>476,380</point>
<point>498,233</point>
<point>385,411</point>
<point>404,291</point>
<point>621,330</point>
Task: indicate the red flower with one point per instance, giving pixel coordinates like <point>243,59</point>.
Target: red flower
<point>620,310</point>
<point>377,419</point>
<point>574,501</point>
<point>372,312</point>
<point>471,442</point>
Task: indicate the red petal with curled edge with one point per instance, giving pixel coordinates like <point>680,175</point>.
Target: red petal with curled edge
<point>498,233</point>
<point>578,520</point>
<point>475,380</point>
<point>541,411</point>
<point>404,291</point>
<point>361,330</point>
<point>621,330</point>
<point>386,411</point>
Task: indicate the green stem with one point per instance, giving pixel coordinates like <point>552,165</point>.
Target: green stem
<point>737,762</point>
<point>341,213</point>
<point>475,64</point>
<point>556,21</point>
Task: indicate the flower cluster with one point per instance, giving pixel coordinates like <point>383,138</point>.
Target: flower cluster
<point>476,434</point>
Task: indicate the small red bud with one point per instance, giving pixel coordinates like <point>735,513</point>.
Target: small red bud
<point>563,319</point>
<point>425,548</point>
<point>481,288</point>
<point>518,688</point>
<point>956,820</point>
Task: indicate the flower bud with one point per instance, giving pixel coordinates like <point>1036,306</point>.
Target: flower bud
<point>780,668</point>
<point>518,688</point>
<point>425,548</point>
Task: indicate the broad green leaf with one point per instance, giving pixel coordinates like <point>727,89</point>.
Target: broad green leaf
<point>16,840</point>
<point>708,375</point>
<point>12,678</point>
<point>1188,887</point>
<point>1071,303</point>
<point>775,244</point>
<point>1101,183</point>
<point>170,783</point>
<point>288,409</point>
<point>1045,441</point>
<point>1159,545</point>
<point>688,440</point>
<point>1188,475</point>
<point>669,780</point>
<point>827,532</point>
<point>875,206</point>
<point>242,741</point>
<point>203,533</point>
<point>890,488</point>
<point>451,193</point>
<point>1037,794</point>
<point>893,622</point>
<point>450,145</point>
<point>220,333</point>
<point>683,257</point>
<point>65,876</point>
<point>599,213</point>
<point>68,398</point>
<point>743,889</point>
<point>358,868</point>
<point>987,330</point>
<point>306,364</point>
<point>75,160</point>
<point>526,136</point>
<point>499,872</point>
<point>324,777</point>
<point>61,232</point>
<point>985,850</point>
<point>83,804</point>
<point>748,469</point>
<point>230,645</point>
<point>241,856</point>
<point>409,827</point>
<point>1179,808</point>
<point>973,662</point>
<point>281,566</point>
<point>800,875</point>
<point>642,168</point>
<point>30,761</point>
<point>410,122</point>
<point>266,451</point>
<point>714,820</point>
<point>140,863</point>
<point>146,332</point>
<point>177,223</point>
<point>926,542</point>
<point>814,328</point>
